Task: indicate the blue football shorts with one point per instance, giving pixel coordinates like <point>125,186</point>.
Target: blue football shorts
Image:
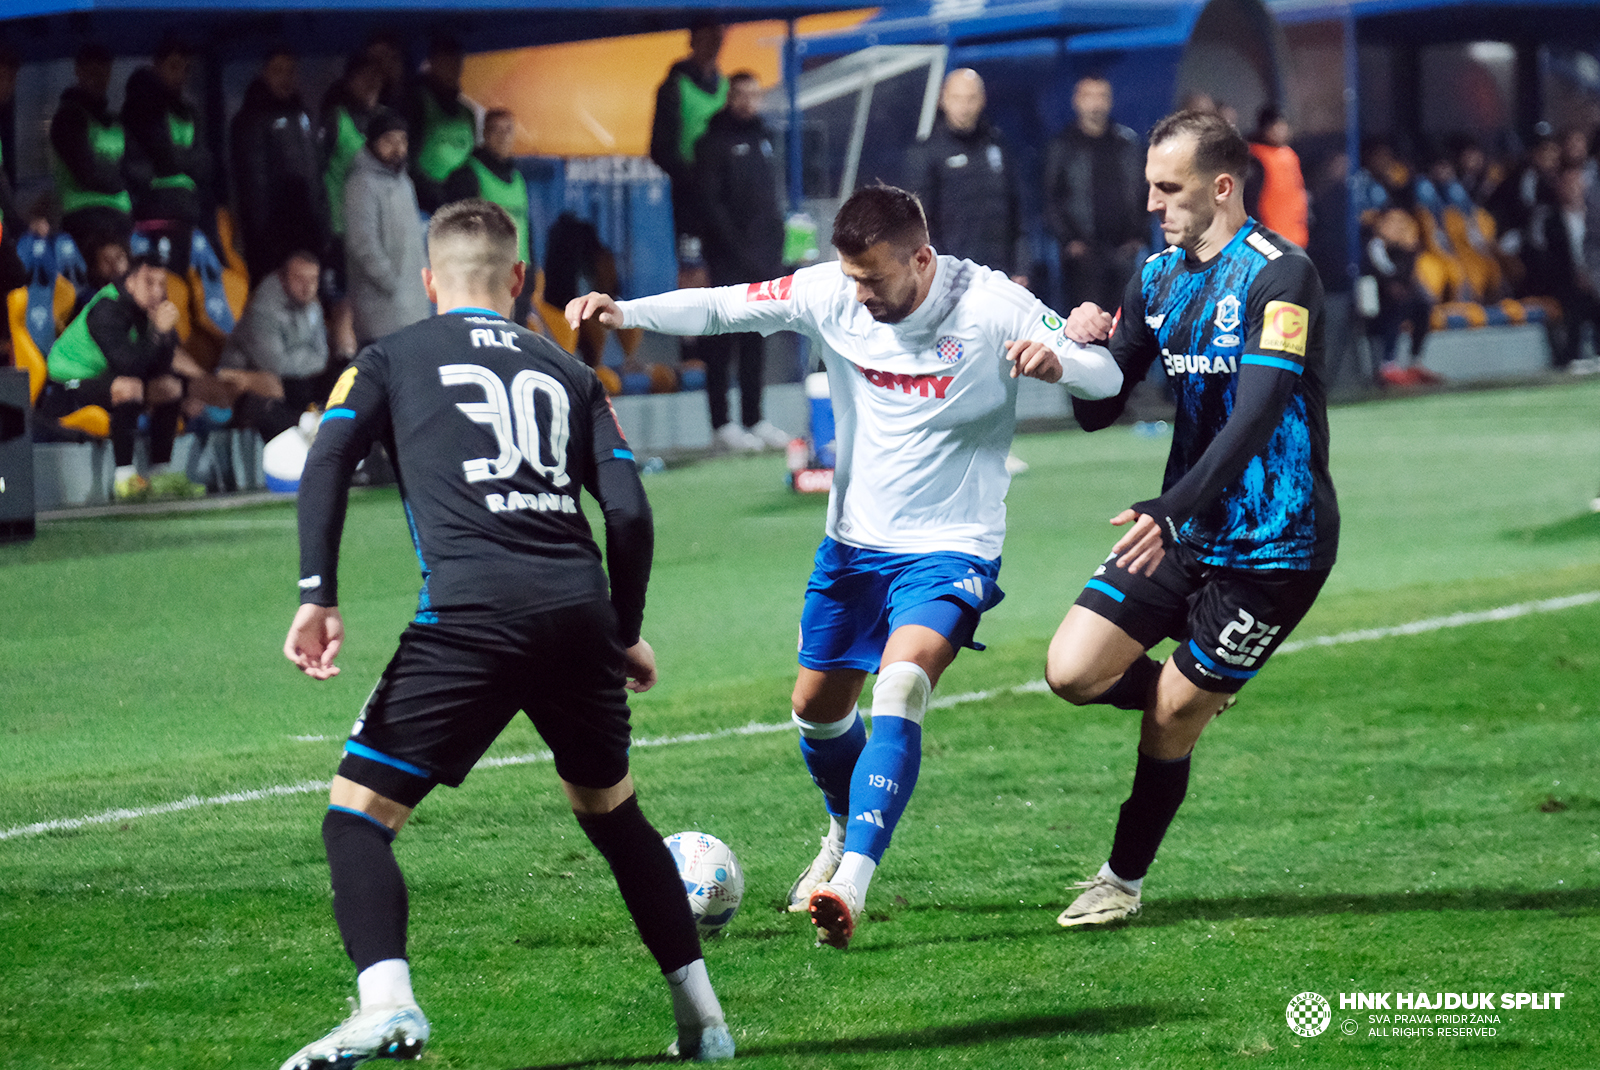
<point>855,598</point>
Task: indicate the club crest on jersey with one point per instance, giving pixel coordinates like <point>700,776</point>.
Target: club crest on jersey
<point>949,349</point>
<point>1227,319</point>
<point>771,290</point>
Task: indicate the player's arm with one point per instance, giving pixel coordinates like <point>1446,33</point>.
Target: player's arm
<point>630,534</point>
<point>1040,348</point>
<point>1132,344</point>
<point>762,307</point>
<point>1281,323</point>
<point>357,414</point>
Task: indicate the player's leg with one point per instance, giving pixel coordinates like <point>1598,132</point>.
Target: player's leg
<point>1238,618</point>
<point>843,627</point>
<point>832,735</point>
<point>573,692</point>
<point>433,713</point>
<point>934,604</point>
<point>885,774</point>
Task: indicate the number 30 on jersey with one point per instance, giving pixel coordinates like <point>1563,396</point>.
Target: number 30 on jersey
<point>512,416</point>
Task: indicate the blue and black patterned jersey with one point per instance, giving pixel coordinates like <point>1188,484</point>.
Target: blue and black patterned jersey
<point>1256,494</point>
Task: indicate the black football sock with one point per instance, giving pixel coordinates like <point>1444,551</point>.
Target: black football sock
<point>163,431</point>
<point>648,881</point>
<point>1159,785</point>
<point>124,425</point>
<point>369,892</point>
<point>1132,689</point>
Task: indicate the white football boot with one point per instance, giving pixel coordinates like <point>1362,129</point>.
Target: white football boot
<point>835,908</point>
<point>821,869</point>
<point>379,1033</point>
<point>1103,900</point>
<point>714,1045</point>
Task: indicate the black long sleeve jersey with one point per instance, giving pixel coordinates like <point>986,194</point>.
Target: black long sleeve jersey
<point>493,430</point>
<point>1240,339</point>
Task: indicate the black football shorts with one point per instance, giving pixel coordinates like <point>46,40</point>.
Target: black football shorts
<point>1228,621</point>
<point>451,689</point>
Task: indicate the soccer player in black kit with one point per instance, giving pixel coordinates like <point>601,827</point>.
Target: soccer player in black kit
<point>494,432</point>
<point>1233,552</point>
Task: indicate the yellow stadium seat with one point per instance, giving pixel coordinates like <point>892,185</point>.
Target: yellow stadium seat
<point>91,419</point>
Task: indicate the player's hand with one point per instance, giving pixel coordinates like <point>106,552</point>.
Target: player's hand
<point>1088,323</point>
<point>1140,547</point>
<point>314,640</point>
<point>165,317</point>
<point>1034,359</point>
<point>640,662</point>
<point>598,305</point>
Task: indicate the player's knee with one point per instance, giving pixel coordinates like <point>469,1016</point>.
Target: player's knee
<point>165,390</point>
<point>1072,681</point>
<point>125,389</point>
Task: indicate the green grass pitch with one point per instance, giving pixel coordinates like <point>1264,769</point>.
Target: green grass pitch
<point>1418,813</point>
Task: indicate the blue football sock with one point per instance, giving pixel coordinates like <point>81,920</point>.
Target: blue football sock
<point>887,770</point>
<point>830,751</point>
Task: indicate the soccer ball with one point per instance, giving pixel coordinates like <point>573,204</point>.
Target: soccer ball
<point>712,878</point>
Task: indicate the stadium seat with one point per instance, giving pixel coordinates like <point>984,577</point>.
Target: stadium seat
<point>91,420</point>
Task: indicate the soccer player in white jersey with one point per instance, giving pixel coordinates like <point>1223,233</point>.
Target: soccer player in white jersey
<point>923,353</point>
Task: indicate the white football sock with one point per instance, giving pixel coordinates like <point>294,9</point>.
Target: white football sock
<point>1132,886</point>
<point>694,1004</point>
<point>386,984</point>
<point>857,869</point>
<point>826,729</point>
<point>124,471</point>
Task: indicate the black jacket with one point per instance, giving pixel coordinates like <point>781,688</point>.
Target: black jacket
<point>665,128</point>
<point>277,173</point>
<point>968,185</point>
<point>736,177</point>
<point>149,111</point>
<point>69,137</point>
<point>1070,209</point>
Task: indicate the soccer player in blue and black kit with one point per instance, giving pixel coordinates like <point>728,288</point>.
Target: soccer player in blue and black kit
<point>494,431</point>
<point>1230,556</point>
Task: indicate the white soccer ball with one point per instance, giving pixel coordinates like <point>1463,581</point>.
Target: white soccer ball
<point>283,460</point>
<point>712,878</point>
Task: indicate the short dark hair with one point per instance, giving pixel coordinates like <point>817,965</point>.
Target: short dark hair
<point>1219,147</point>
<point>744,76</point>
<point>303,255</point>
<point>474,218</point>
<point>498,113</point>
<point>880,213</point>
<point>173,46</point>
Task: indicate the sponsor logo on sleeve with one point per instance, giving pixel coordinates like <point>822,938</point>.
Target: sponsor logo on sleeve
<point>771,290</point>
<point>341,389</point>
<point>1285,328</point>
<point>1051,321</point>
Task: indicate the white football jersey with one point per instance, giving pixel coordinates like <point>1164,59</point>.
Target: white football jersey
<point>924,408</point>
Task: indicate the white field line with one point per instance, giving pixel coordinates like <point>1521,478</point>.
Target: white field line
<point>1363,635</point>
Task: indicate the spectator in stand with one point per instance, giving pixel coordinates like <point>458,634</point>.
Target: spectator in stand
<point>736,177</point>
<point>491,174</point>
<point>277,356</point>
<point>88,150</point>
<point>277,170</point>
<point>1477,174</point>
<point>1283,206</point>
<point>104,265</point>
<point>1094,199</point>
<point>10,64</point>
<point>172,191</point>
<point>1513,202</point>
<point>383,234</point>
<point>387,50</point>
<point>1575,153</point>
<point>694,91</point>
<point>1384,181</point>
<point>1558,252</point>
<point>966,177</point>
<point>1391,257</point>
<point>346,110</point>
<point>444,126</point>
<point>120,353</point>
